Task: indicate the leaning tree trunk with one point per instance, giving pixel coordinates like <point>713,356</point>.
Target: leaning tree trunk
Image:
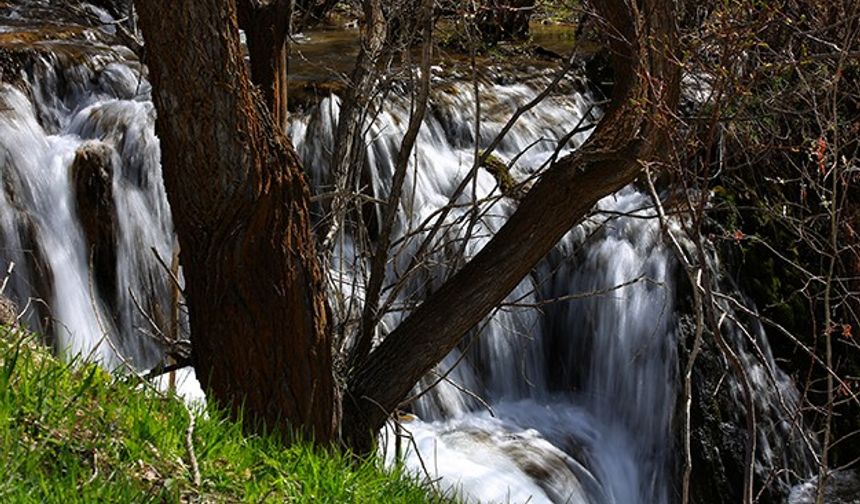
<point>634,131</point>
<point>240,205</point>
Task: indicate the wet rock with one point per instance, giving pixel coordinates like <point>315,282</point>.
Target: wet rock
<point>66,29</point>
<point>717,442</point>
<point>842,487</point>
<point>92,177</point>
<point>11,66</point>
<point>32,280</point>
<point>719,434</point>
<point>82,14</point>
<point>118,8</point>
<point>41,275</point>
<point>306,94</point>
<point>63,69</point>
<point>120,80</point>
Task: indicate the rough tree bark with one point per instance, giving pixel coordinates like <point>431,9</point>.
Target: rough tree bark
<point>240,206</point>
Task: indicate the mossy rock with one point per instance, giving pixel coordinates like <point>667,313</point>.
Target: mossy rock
<point>12,66</point>
<point>502,173</point>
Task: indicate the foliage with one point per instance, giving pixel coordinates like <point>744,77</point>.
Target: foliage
<point>776,108</point>
<point>75,433</point>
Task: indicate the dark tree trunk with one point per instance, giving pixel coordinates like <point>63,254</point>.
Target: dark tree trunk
<point>240,205</point>
<point>267,26</point>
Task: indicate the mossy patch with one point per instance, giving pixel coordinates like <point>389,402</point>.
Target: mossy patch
<point>500,171</point>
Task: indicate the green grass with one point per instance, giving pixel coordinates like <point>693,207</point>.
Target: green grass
<point>71,432</point>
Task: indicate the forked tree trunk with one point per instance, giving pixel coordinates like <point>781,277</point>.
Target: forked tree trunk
<point>240,206</point>
<point>267,26</point>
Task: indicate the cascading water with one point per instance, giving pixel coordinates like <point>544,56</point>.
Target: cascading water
<point>553,399</point>
<point>565,394</point>
<point>99,104</point>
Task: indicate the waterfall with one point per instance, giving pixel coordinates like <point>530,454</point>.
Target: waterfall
<point>566,393</point>
<point>81,291</point>
<point>553,399</point>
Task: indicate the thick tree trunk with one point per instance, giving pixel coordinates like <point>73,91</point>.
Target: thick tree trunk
<point>633,131</point>
<point>240,204</point>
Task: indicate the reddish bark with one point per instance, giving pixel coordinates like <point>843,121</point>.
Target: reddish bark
<point>240,206</point>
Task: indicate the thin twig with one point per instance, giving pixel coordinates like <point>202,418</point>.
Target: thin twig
<point>189,447</point>
<point>6,279</point>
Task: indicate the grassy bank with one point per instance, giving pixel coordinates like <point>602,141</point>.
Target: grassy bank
<point>74,433</point>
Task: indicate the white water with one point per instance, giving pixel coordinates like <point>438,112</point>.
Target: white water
<point>577,397</point>
<point>605,387</point>
<point>104,101</point>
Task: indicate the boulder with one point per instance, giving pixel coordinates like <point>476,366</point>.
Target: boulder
<point>92,176</point>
